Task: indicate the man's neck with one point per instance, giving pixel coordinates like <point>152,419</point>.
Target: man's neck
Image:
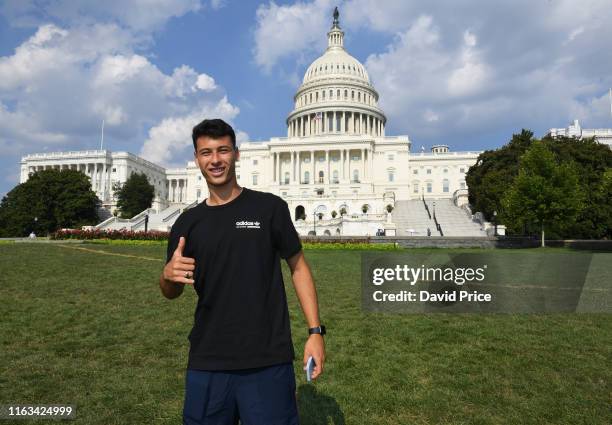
<point>219,195</point>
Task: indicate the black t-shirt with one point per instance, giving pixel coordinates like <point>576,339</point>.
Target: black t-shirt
<point>241,320</point>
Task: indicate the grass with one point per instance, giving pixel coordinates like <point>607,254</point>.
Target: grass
<point>90,329</point>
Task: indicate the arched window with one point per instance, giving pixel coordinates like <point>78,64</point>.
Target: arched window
<point>345,94</point>
<point>300,213</point>
<point>358,96</point>
<point>338,93</point>
<point>355,176</point>
<point>445,185</point>
<point>307,177</point>
<point>321,175</point>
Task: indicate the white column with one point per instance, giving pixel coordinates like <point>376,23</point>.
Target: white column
<point>327,161</point>
<point>312,167</point>
<point>343,123</point>
<point>362,174</point>
<point>278,163</point>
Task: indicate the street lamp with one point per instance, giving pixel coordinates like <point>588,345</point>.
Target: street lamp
<point>495,222</point>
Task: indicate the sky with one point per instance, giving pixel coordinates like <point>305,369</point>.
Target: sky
<point>468,74</point>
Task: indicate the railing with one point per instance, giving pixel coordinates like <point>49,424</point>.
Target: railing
<point>438,227</point>
<point>426,207</point>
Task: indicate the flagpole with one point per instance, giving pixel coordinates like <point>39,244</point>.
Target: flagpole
<point>102,136</point>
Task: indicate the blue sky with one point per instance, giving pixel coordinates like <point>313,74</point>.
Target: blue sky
<point>468,76</point>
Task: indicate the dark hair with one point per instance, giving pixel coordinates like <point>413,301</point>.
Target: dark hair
<point>215,129</point>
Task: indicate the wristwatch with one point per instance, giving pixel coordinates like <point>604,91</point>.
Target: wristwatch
<point>317,330</point>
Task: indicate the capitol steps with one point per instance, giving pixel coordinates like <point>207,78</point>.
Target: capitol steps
<point>453,220</point>
<point>411,219</point>
<point>158,220</point>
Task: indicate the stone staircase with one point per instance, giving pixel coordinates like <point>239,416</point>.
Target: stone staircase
<point>453,220</point>
<point>158,220</point>
<point>412,219</point>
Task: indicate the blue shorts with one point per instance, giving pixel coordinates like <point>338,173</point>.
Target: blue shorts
<point>261,396</point>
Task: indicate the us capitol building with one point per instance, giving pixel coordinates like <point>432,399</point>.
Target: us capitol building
<point>337,169</point>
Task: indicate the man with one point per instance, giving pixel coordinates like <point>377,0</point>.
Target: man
<point>229,248</point>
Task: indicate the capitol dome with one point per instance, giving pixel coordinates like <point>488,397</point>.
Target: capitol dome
<point>336,95</point>
<point>336,63</point>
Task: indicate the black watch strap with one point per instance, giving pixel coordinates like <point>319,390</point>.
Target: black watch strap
<point>317,330</point>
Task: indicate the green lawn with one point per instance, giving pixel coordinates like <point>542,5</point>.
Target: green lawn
<point>93,330</point>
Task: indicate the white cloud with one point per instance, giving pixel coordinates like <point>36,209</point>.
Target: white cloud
<point>290,31</point>
<point>206,82</point>
<point>137,15</point>
<point>171,138</point>
<point>60,84</point>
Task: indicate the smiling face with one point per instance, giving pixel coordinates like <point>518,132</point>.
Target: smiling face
<point>217,160</point>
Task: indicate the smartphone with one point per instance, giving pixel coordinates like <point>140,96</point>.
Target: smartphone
<point>310,365</point>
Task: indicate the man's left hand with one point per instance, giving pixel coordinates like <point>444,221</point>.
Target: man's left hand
<point>315,347</point>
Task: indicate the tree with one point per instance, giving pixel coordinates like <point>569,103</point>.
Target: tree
<point>135,195</point>
<point>494,172</point>
<point>49,200</point>
<point>364,208</point>
<point>545,191</point>
<point>334,214</point>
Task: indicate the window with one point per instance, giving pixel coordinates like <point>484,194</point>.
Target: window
<point>321,175</point>
<point>254,162</point>
<point>114,170</point>
<point>321,159</point>
<point>445,185</point>
<point>338,93</point>
<point>390,157</point>
<point>286,177</point>
<point>345,94</point>
<point>255,179</point>
<point>415,187</point>
<point>462,170</point>
<point>198,194</point>
<point>199,178</point>
<point>415,172</point>
<point>355,176</point>
<point>391,176</point>
<point>284,194</point>
<point>335,176</point>
<point>352,94</point>
<point>307,177</point>
<point>445,170</point>
<point>323,95</point>
<point>429,171</point>
<point>428,187</point>
<point>462,185</point>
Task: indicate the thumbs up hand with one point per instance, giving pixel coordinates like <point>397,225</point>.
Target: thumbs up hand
<point>180,269</point>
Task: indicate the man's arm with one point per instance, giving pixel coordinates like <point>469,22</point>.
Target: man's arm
<point>307,295</point>
<point>169,289</point>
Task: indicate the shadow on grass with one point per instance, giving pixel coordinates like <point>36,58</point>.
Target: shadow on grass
<point>316,408</point>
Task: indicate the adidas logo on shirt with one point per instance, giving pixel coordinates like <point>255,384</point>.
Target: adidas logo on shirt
<point>247,225</point>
